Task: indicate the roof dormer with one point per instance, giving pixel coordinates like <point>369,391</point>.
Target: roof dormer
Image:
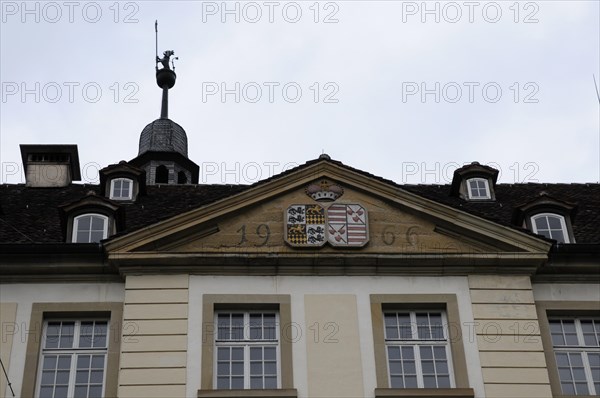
<point>122,182</point>
<point>475,182</point>
<point>91,219</point>
<point>50,166</point>
<point>547,216</point>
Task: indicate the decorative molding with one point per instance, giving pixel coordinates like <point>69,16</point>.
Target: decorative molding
<point>325,191</point>
<point>443,214</point>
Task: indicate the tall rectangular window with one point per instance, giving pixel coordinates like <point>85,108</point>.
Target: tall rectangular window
<point>73,358</point>
<point>417,348</point>
<point>247,350</point>
<point>576,344</point>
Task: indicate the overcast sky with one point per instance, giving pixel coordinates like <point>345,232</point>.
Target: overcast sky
<point>405,90</point>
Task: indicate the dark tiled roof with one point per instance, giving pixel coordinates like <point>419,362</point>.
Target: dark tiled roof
<point>586,222</point>
<point>31,214</point>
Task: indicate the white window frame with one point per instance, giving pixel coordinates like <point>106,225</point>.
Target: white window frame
<point>580,348</point>
<point>247,343</point>
<point>415,342</point>
<point>488,193</point>
<point>74,352</point>
<point>76,226</point>
<point>112,189</point>
<point>563,225</point>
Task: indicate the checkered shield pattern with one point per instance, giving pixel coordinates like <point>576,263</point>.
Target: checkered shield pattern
<point>305,225</point>
<point>315,214</point>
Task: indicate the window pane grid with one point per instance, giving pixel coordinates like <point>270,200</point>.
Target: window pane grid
<point>434,364</point>
<point>262,326</point>
<point>121,188</point>
<point>73,359</point>
<point>577,353</point>
<point>230,367</point>
<point>403,371</point>
<point>90,375</point>
<point>247,350</point>
<point>591,332</point>
<point>417,350</point>
<point>56,371</point>
<point>263,367</point>
<point>564,332</point>
<point>230,326</point>
<point>93,334</point>
<point>478,188</point>
<point>90,228</point>
<point>551,226</point>
<point>59,335</point>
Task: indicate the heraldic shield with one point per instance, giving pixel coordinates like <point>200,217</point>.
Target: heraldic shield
<point>312,225</point>
<point>305,225</point>
<point>347,225</point>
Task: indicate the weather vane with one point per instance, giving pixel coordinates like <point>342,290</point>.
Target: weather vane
<point>165,76</point>
<point>166,55</point>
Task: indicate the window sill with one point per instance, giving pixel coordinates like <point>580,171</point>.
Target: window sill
<point>280,393</point>
<point>424,392</point>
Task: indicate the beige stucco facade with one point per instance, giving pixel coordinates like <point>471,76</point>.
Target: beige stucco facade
<point>173,276</point>
<point>154,339</point>
<point>333,351</point>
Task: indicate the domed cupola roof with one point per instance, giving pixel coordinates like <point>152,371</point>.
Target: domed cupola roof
<point>163,135</point>
<point>163,150</point>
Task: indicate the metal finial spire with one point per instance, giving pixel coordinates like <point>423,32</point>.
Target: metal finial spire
<point>156,39</point>
<point>166,55</point>
<point>165,77</point>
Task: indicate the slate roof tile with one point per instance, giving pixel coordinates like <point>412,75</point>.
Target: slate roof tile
<point>30,215</point>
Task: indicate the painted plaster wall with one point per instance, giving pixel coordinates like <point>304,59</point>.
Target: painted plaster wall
<point>344,301</point>
<point>154,342</point>
<point>27,294</point>
<point>8,313</point>
<point>508,336</point>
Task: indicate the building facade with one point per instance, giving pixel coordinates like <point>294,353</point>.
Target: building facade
<point>323,281</point>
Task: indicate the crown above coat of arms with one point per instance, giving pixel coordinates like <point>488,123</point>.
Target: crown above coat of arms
<point>324,191</point>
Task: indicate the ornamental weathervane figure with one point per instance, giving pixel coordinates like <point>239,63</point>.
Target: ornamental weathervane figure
<point>165,60</point>
<point>166,55</point>
<point>165,77</point>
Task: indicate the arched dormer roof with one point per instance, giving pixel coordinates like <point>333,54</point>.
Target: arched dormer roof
<point>548,216</point>
<point>459,186</point>
<point>123,170</point>
<point>544,203</point>
<point>91,203</point>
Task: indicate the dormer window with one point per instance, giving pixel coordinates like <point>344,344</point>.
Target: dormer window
<point>547,216</point>
<point>121,189</point>
<point>122,182</point>
<point>478,188</point>
<point>91,219</point>
<point>552,226</point>
<point>90,228</point>
<point>474,182</point>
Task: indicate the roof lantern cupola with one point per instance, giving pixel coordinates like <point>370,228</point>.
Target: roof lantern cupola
<point>163,146</point>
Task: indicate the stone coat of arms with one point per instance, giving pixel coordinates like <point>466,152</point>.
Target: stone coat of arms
<point>312,225</point>
<point>305,225</point>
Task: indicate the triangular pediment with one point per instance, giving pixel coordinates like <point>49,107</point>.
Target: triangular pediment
<point>388,223</point>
